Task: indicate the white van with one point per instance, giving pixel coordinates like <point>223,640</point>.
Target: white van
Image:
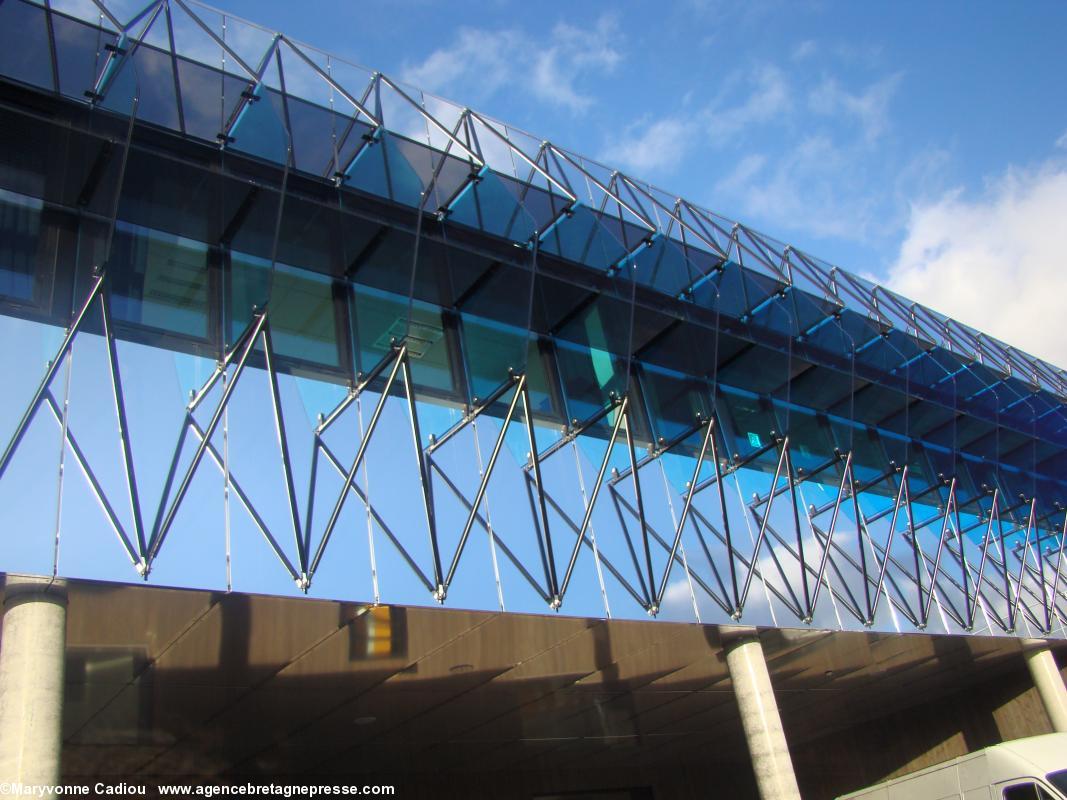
<point>1025,769</point>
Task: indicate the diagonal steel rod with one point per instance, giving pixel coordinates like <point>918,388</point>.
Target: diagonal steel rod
<point>1059,564</point>
<point>50,373</point>
<point>949,504</point>
<point>993,511</point>
<point>539,488</point>
<point>884,562</point>
<point>620,413</point>
<point>636,479</point>
<point>845,482</point>
<point>124,429</point>
<point>484,483</point>
<point>1022,564</point>
<point>762,533</point>
<point>800,538</point>
<point>245,501</point>
<point>351,475</point>
<point>425,478</point>
<point>160,533</point>
<point>684,516</point>
<point>283,447</point>
<point>354,487</point>
<point>94,485</point>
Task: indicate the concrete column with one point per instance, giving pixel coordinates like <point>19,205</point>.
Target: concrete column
<point>1048,680</point>
<point>31,679</point>
<point>759,716</point>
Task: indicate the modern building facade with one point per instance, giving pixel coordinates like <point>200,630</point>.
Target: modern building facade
<point>273,323</point>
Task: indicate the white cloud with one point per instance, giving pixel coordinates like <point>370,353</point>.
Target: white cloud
<point>815,186</point>
<point>646,148</point>
<point>1062,141</point>
<point>870,107</point>
<point>767,97</point>
<point>804,50</point>
<point>995,262</point>
<point>481,62</point>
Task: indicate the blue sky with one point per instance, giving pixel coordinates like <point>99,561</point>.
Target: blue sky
<point>891,139</point>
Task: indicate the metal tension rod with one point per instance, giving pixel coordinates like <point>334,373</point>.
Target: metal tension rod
<point>520,383</point>
<point>640,508</point>
<point>424,476</point>
<point>283,447</point>
<point>884,562</point>
<point>351,476</point>
<point>993,511</point>
<point>1013,613</point>
<point>53,367</point>
<point>950,504</point>
<point>542,508</point>
<point>124,438</point>
<point>1051,610</point>
<point>708,438</point>
<point>846,482</point>
<point>160,533</point>
<point>557,601</point>
<point>94,484</point>
<point>762,534</point>
<point>246,502</point>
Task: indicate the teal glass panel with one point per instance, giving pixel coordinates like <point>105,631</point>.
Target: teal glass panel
<point>381,169</point>
<point>489,205</point>
<point>20,228</point>
<point>590,375</point>
<point>119,83</point>
<point>155,84</point>
<point>579,236</point>
<point>79,53</point>
<point>209,96</point>
<point>260,128</point>
<point>493,350</point>
<point>24,44</point>
<point>159,280</point>
<point>381,318</point>
<point>810,444</point>
<point>300,308</point>
<point>664,267</point>
<point>751,420</point>
<point>675,402</point>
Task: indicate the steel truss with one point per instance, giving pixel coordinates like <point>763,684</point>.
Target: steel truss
<point>979,590</point>
<point>858,547</point>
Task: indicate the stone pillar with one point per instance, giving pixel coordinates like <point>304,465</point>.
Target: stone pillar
<point>1048,681</point>
<point>759,716</point>
<point>32,651</point>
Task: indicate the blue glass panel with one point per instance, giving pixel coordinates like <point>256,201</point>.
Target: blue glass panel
<point>208,98</point>
<point>159,280</point>
<point>381,169</point>
<point>675,402</point>
<point>24,44</point>
<point>589,376</point>
<point>155,75</point>
<point>383,317</point>
<point>79,53</point>
<point>664,267</point>
<point>20,227</point>
<point>259,129</point>
<point>751,421</point>
<point>579,236</point>
<point>299,303</point>
<point>486,204</point>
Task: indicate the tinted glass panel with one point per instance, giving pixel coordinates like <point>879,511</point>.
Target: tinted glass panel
<point>20,224</point>
<point>302,314</point>
<point>159,280</point>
